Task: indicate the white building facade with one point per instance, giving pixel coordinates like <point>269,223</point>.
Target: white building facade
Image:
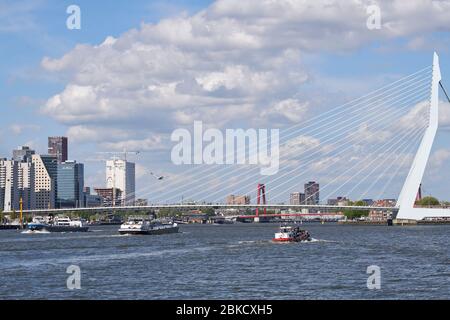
<point>9,185</point>
<point>26,185</point>
<point>44,182</point>
<point>120,174</point>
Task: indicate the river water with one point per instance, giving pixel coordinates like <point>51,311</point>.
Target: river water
<point>229,262</point>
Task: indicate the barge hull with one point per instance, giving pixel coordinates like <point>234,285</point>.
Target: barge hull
<point>151,232</point>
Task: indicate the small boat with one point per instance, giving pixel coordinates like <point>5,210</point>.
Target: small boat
<point>141,225</point>
<point>37,224</point>
<point>291,234</point>
<point>58,224</point>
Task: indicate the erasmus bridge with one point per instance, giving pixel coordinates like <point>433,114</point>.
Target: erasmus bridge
<point>398,124</point>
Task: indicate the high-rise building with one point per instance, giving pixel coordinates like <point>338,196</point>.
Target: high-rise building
<point>92,201</point>
<point>9,185</point>
<point>339,201</point>
<point>297,198</point>
<point>58,146</point>
<point>23,154</point>
<point>45,170</point>
<point>2,183</point>
<point>26,176</point>
<point>26,185</point>
<point>141,202</point>
<point>70,184</point>
<point>120,174</point>
<point>110,197</point>
<point>237,200</point>
<point>312,195</point>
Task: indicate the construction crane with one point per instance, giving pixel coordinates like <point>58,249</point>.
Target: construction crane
<point>124,153</point>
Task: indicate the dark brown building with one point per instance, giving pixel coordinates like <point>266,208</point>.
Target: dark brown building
<point>237,200</point>
<point>312,193</point>
<point>58,146</point>
<point>108,194</point>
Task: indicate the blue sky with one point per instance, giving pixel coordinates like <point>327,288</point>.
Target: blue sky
<point>38,28</point>
<point>332,59</point>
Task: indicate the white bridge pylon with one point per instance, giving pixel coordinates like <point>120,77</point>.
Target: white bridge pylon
<point>407,197</point>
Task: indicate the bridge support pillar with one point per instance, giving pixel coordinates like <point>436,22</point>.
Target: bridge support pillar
<point>408,195</point>
<point>261,192</point>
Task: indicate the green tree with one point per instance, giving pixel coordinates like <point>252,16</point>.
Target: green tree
<point>13,216</point>
<point>166,212</point>
<point>209,212</point>
<point>428,201</point>
<point>354,213</point>
<point>85,215</point>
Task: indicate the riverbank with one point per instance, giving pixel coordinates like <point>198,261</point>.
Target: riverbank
<point>9,227</point>
<point>404,222</point>
<point>363,222</point>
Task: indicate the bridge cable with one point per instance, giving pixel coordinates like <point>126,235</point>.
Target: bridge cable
<point>343,138</point>
<point>311,160</point>
<point>443,89</point>
<point>337,108</point>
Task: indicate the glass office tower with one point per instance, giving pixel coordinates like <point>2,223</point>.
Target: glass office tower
<point>70,184</point>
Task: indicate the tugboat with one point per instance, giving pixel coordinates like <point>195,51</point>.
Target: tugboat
<point>291,234</point>
<point>142,225</point>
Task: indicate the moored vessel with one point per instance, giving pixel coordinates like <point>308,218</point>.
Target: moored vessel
<point>57,224</point>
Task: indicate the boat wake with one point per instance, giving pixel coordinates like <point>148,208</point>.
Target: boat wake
<point>313,240</point>
<point>320,240</point>
<point>35,232</point>
<point>251,241</point>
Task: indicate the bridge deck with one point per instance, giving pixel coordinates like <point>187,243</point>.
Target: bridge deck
<point>214,206</point>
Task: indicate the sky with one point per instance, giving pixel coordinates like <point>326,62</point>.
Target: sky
<point>138,70</point>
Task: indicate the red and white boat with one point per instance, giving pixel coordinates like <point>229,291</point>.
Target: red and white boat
<point>291,234</point>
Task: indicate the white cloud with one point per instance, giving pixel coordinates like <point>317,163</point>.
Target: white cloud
<point>154,142</point>
<point>324,164</point>
<point>233,61</point>
<point>20,128</point>
<point>444,115</point>
<point>364,134</point>
<point>83,133</point>
<point>16,16</point>
<point>298,146</point>
<point>291,109</point>
<point>416,116</point>
<point>439,158</point>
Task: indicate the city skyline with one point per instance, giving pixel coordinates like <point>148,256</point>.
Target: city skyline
<point>52,181</point>
<point>118,188</point>
<point>42,82</point>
